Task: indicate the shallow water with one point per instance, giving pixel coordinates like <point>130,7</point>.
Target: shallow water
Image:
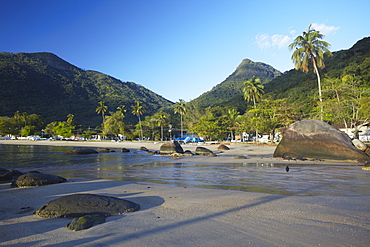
<point>307,180</point>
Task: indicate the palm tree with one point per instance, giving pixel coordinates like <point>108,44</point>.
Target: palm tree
<point>161,121</point>
<point>138,110</point>
<point>122,111</point>
<point>232,115</point>
<point>180,108</point>
<point>101,109</point>
<point>70,118</point>
<point>253,90</point>
<point>310,48</point>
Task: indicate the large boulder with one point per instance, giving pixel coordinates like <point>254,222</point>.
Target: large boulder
<point>204,151</point>
<point>34,179</point>
<point>170,148</point>
<point>78,205</point>
<point>318,140</point>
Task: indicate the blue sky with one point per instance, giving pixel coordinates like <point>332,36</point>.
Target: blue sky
<point>178,49</point>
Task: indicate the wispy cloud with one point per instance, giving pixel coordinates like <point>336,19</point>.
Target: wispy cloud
<point>324,29</point>
<point>265,41</point>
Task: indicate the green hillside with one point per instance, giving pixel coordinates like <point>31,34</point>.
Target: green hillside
<point>228,92</point>
<point>44,84</point>
<point>301,88</point>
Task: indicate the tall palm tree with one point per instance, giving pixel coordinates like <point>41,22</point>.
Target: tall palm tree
<point>180,108</point>
<point>253,90</point>
<point>310,48</point>
<point>101,109</point>
<point>138,110</point>
<point>161,121</point>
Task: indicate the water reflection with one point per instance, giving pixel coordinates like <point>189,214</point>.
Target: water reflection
<point>303,180</point>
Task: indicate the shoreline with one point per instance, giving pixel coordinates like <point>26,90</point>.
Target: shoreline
<point>254,153</point>
<point>184,216</point>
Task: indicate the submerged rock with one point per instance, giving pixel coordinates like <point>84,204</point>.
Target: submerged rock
<point>144,149</point>
<point>125,150</point>
<point>170,148</point>
<point>78,205</point>
<point>318,140</point>
<point>34,179</point>
<point>83,151</point>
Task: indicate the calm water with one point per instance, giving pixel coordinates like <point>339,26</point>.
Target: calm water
<point>305,179</point>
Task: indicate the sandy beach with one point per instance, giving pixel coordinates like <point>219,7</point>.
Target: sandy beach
<point>180,216</point>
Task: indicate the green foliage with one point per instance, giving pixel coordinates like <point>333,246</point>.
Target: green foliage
<point>46,85</point>
<point>232,86</point>
<point>114,125</point>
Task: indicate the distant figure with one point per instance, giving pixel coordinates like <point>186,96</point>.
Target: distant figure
<point>287,168</point>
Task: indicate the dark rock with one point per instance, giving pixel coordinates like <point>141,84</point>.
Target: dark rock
<point>318,140</point>
<point>170,148</point>
<point>144,149</point>
<point>292,156</point>
<point>240,157</point>
<point>188,153</point>
<point>8,174</point>
<point>223,147</point>
<point>204,151</point>
<point>152,152</point>
<point>78,205</point>
<point>104,150</point>
<point>85,222</point>
<point>35,179</point>
<point>82,151</point>
<point>125,150</point>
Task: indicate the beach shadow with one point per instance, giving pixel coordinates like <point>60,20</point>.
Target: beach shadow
<point>25,208</point>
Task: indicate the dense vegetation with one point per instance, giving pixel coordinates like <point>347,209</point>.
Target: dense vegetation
<point>228,92</point>
<point>254,99</point>
<point>44,84</point>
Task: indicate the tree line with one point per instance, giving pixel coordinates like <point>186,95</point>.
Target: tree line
<point>340,98</point>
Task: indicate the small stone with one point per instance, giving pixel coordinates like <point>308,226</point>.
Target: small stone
<point>85,222</point>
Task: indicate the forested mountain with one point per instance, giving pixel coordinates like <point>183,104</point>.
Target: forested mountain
<point>301,88</point>
<point>228,92</point>
<point>44,84</point>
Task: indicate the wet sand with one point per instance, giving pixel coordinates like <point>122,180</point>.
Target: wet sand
<point>180,216</point>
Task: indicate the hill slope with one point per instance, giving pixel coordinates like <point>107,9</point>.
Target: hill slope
<point>44,84</point>
<point>231,88</point>
<point>300,87</point>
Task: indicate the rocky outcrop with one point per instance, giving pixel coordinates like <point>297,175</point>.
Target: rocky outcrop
<point>78,205</point>
<point>204,151</point>
<point>125,150</point>
<point>170,148</point>
<point>83,151</point>
<point>8,174</point>
<point>314,139</point>
<point>34,179</point>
